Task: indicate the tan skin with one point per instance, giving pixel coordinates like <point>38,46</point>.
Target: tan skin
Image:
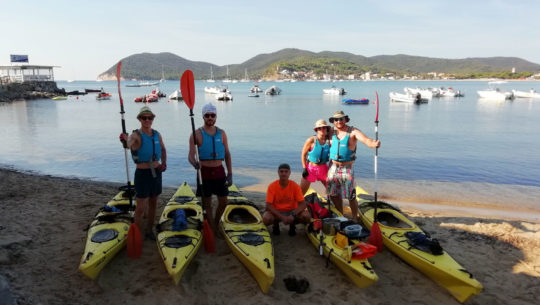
<point>322,136</point>
<point>271,215</point>
<point>209,128</point>
<point>356,136</point>
<point>146,205</point>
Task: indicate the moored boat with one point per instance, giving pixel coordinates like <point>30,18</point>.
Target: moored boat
<point>405,239</point>
<point>103,96</point>
<point>407,98</point>
<point>176,95</point>
<point>495,94</point>
<point>424,93</point>
<point>179,232</point>
<point>335,91</point>
<point>273,91</point>
<point>351,101</point>
<point>248,238</point>
<point>526,94</point>
<point>255,89</point>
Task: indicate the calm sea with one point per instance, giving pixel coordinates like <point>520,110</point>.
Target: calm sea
<point>476,146</point>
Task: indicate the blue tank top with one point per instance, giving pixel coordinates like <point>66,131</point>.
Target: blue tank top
<point>320,153</point>
<point>150,149</point>
<point>212,147</point>
<point>339,151</point>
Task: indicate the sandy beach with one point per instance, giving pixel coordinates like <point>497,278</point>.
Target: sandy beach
<point>42,222</point>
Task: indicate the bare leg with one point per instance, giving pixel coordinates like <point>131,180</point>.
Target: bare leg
<point>354,209</point>
<point>222,202</point>
<point>151,213</point>
<point>338,203</point>
<point>304,185</point>
<point>139,211</point>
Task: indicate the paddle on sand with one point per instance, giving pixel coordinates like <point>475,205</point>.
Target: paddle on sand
<point>375,238</point>
<point>187,86</point>
<point>134,238</point>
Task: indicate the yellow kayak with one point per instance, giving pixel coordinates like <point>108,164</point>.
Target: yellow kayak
<point>442,268</point>
<point>178,246</point>
<point>248,238</point>
<point>107,234</point>
<point>359,271</point>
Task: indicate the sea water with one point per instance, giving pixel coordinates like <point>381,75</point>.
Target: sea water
<point>459,149</point>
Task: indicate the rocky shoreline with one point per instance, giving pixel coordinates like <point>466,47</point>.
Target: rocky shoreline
<point>29,90</point>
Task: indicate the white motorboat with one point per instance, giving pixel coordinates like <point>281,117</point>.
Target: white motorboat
<point>407,98</point>
<point>272,91</point>
<point>450,92</point>
<point>526,94</point>
<point>176,95</point>
<point>216,89</point>
<point>495,94</point>
<point>147,84</point>
<point>255,89</point>
<point>425,93</point>
<point>334,91</point>
<point>224,96</point>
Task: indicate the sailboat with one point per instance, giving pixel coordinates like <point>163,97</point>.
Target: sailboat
<point>211,79</point>
<point>246,78</point>
<point>227,80</point>
<point>162,75</point>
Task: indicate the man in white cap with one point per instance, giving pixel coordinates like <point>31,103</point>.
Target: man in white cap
<point>147,149</point>
<point>213,149</point>
<point>342,155</point>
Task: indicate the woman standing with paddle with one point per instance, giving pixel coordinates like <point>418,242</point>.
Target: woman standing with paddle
<point>147,150</point>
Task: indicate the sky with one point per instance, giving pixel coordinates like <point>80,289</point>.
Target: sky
<point>85,38</point>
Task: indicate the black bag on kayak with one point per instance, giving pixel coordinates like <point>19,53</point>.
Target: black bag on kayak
<point>424,243</point>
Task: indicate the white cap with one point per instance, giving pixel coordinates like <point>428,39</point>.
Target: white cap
<point>209,108</point>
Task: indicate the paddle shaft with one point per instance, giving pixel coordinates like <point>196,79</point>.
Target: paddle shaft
<point>375,159</point>
<point>199,178</point>
<point>122,112</point>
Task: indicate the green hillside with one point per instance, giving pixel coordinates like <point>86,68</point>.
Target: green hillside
<point>148,66</point>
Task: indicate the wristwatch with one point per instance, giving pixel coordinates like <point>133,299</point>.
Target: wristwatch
<point>293,213</point>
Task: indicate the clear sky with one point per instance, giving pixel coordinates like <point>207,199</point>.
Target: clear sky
<point>86,38</point>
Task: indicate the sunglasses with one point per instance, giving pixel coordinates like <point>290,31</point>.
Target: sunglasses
<point>338,119</point>
<point>146,118</point>
<point>210,115</point>
<point>321,128</point>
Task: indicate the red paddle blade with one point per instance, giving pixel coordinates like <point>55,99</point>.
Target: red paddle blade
<point>187,86</point>
<point>118,69</point>
<point>208,236</point>
<point>377,116</point>
<point>134,241</point>
<point>375,238</point>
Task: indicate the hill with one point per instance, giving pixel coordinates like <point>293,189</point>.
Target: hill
<point>150,66</point>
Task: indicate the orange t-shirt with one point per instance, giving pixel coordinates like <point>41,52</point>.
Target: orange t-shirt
<point>284,199</point>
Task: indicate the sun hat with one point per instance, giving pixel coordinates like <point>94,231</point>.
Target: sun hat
<point>337,115</point>
<point>209,108</point>
<point>284,166</point>
<point>145,110</point>
<point>320,123</point>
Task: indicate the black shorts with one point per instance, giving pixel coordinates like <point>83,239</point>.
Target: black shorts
<point>214,180</point>
<point>146,185</point>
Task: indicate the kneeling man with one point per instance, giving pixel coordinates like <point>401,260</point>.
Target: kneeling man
<point>285,202</point>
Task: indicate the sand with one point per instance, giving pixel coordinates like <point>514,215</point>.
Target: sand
<point>42,222</point>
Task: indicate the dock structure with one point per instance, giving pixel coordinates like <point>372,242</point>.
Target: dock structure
<point>26,73</point>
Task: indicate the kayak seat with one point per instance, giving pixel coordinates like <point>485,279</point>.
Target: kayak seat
<point>390,220</point>
<point>104,235</point>
<point>242,216</point>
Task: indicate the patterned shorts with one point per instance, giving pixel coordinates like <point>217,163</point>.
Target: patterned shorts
<point>341,181</point>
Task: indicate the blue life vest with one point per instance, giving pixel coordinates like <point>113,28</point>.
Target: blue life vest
<point>212,147</point>
<point>320,153</point>
<point>339,151</point>
<point>150,149</point>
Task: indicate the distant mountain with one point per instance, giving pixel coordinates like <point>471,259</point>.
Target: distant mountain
<point>149,66</point>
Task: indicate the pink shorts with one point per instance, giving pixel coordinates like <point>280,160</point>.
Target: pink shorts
<point>317,172</point>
